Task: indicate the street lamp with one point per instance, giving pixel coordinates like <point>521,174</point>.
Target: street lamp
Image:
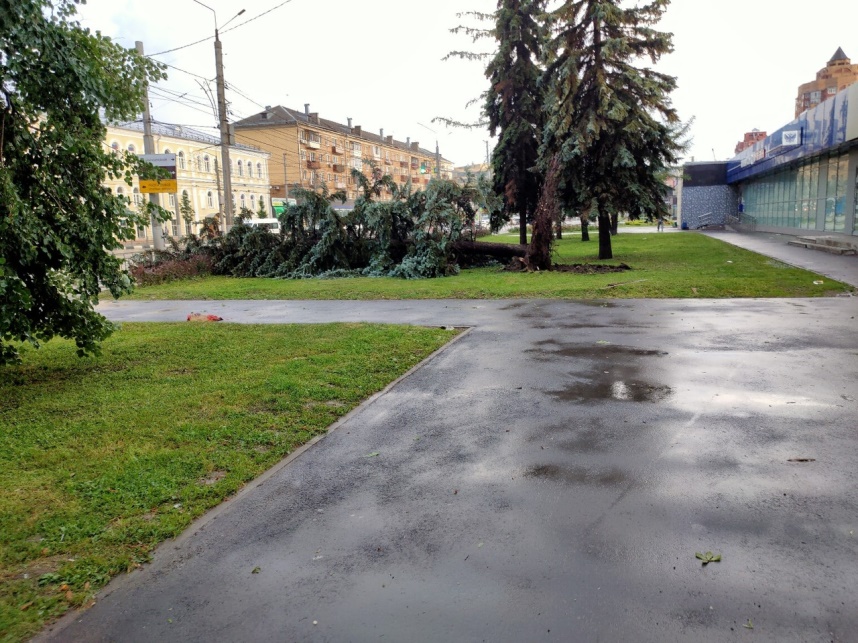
<point>223,123</point>
<point>437,152</point>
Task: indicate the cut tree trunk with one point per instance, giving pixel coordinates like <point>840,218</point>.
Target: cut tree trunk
<point>496,250</point>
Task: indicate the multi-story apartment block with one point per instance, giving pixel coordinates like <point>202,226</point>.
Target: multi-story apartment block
<point>749,139</point>
<point>197,172</point>
<point>837,75</point>
<point>308,151</point>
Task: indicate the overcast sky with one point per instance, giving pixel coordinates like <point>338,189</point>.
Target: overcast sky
<point>738,62</point>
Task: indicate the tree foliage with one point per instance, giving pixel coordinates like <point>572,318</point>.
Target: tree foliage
<point>58,222</point>
<point>412,235</point>
<point>610,123</point>
<point>513,105</point>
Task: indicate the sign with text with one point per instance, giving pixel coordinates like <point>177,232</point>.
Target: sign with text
<point>160,186</point>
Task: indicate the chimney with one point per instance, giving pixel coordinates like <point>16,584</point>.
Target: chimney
<point>415,146</point>
<point>389,140</point>
<point>381,133</point>
<point>350,122</point>
<point>356,130</point>
<point>408,142</point>
<point>268,108</point>
<point>306,109</point>
<point>314,117</point>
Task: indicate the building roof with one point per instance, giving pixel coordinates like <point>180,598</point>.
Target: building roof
<point>839,55</point>
<point>279,115</point>
<point>181,132</point>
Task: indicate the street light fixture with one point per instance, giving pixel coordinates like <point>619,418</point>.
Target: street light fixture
<point>223,123</point>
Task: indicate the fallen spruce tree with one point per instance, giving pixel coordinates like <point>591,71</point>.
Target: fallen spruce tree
<point>415,234</point>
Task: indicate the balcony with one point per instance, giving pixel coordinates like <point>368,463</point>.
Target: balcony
<point>387,162</point>
<point>356,153</point>
<point>336,149</point>
<point>403,164</point>
<point>402,179</point>
<point>314,165</point>
<point>415,166</point>
<point>339,169</point>
<point>340,186</point>
<point>312,143</point>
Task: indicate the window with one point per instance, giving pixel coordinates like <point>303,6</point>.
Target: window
<point>172,199</point>
<point>815,97</point>
<point>831,91</point>
<point>303,155</point>
<point>209,199</point>
<point>259,170</point>
<point>138,198</point>
<point>250,169</point>
<point>167,151</point>
<point>304,175</point>
<point>131,148</point>
<point>240,168</point>
<point>312,156</point>
<point>115,146</point>
<point>206,165</point>
<point>120,191</point>
<point>376,151</point>
<point>241,198</point>
<point>180,159</point>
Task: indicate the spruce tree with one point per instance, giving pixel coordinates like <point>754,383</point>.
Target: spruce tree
<point>513,106</point>
<point>610,122</point>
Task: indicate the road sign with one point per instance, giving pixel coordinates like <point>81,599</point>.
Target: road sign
<point>166,162</point>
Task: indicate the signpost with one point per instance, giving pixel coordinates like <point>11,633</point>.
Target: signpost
<point>160,186</point>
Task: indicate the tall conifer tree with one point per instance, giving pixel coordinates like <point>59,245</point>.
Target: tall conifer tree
<point>610,122</point>
<point>513,105</point>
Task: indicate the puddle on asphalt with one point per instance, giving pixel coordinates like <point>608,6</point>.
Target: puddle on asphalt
<point>613,390</point>
<point>577,475</point>
<point>592,351</point>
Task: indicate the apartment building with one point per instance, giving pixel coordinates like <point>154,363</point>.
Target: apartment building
<point>198,174</point>
<point>836,76</point>
<point>308,151</point>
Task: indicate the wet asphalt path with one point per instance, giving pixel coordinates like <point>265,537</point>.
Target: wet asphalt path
<point>548,476</point>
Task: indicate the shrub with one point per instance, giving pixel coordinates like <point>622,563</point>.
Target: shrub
<point>159,272</point>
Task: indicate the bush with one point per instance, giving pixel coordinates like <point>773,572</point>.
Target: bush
<point>156,272</point>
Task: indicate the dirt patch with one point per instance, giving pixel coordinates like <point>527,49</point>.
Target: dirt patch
<point>213,478</point>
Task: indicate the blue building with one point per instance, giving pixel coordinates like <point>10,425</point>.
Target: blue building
<point>800,179</point>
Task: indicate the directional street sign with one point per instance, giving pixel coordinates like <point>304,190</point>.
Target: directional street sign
<point>167,162</point>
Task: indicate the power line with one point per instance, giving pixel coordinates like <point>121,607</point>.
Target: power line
<point>241,24</point>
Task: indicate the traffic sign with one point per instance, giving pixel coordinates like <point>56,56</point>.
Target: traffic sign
<point>160,186</point>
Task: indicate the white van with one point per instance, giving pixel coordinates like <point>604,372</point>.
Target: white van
<point>272,225</point>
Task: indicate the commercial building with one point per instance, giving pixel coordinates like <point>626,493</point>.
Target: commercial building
<point>308,151</point>
<point>801,179</point>
<point>836,76</point>
<point>197,172</point>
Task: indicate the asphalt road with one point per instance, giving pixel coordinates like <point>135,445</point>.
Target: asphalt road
<point>548,476</point>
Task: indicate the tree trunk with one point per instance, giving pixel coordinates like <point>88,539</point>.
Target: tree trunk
<point>615,216</point>
<point>497,250</point>
<point>605,251</point>
<point>522,227</point>
<point>559,234</point>
<point>547,213</point>
<point>585,229</point>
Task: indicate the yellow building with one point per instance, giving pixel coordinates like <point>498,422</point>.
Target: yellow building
<point>837,75</point>
<point>198,174</point>
<point>308,151</point>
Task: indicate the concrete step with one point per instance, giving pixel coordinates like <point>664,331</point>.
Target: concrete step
<point>831,249</point>
<point>834,242</point>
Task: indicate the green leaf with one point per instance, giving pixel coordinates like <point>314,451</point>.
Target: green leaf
<point>372,455</point>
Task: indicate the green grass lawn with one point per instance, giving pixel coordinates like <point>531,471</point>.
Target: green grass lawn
<point>663,266</point>
<point>102,458</point>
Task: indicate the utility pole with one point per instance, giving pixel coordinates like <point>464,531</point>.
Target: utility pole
<point>149,148</point>
<point>224,134</point>
<point>437,160</point>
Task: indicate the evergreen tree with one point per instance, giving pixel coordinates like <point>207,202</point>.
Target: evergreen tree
<point>610,123</point>
<point>513,106</point>
<point>260,212</point>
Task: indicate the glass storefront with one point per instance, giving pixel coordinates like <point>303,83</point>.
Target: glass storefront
<point>810,196</point>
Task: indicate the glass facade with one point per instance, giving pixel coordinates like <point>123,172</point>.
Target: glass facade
<point>809,196</point>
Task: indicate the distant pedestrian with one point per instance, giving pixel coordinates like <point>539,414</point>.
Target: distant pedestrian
<point>660,227</point>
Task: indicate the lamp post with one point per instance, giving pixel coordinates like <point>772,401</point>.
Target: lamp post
<point>437,152</point>
<point>223,123</point>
